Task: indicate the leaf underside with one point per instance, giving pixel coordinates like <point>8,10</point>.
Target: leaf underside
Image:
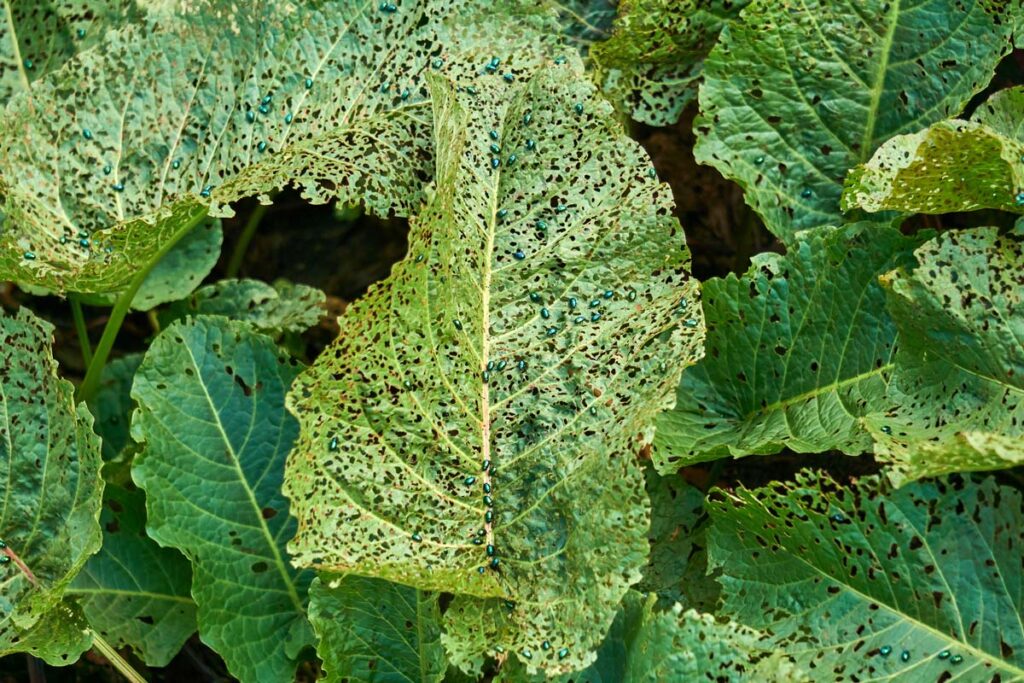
<point>397,418</point>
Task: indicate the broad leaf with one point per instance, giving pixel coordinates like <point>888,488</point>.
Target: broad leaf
<point>646,644</point>
<point>797,92</point>
<point>652,62</point>
<point>134,592</point>
<point>559,273</point>
<point>271,309</point>
<point>38,37</point>
<point>798,350</point>
<point>375,630</point>
<point>113,405</point>
<point>330,97</point>
<point>211,413</point>
<point>919,584</point>
<point>958,389</point>
<point>51,492</point>
<point>954,165</point>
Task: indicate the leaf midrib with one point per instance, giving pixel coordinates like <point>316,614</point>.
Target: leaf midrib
<point>866,148</point>
<point>17,48</point>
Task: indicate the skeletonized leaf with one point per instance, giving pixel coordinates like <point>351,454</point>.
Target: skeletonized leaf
<point>51,494</point>
<point>917,584</point>
<point>797,92</point>
<point>131,144</point>
<point>375,630</point>
<point>646,645</point>
<point>271,309</point>
<point>650,65</point>
<point>210,396</point>
<point>954,165</point>
<point>798,350</point>
<point>134,592</point>
<point>957,393</point>
<point>37,37</point>
<point>560,273</point>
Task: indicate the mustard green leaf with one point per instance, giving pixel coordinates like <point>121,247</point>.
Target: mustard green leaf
<point>797,92</point>
<point>238,101</point>
<point>52,489</point>
<point>113,406</point>
<point>561,274</point>
<point>651,64</point>
<point>953,165</point>
<point>133,592</point>
<point>210,395</point>
<point>956,399</point>
<point>271,309</point>
<point>863,583</point>
<point>798,350</point>
<point>375,630</point>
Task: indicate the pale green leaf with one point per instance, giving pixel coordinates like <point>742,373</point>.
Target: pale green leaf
<point>797,92</point>
<point>271,309</point>
<point>954,165</point>
<point>397,418</point>
<point>38,37</point>
<point>51,493</point>
<point>113,405</point>
<point>861,583</point>
<point>132,143</point>
<point>375,630</point>
<point>135,593</point>
<point>957,394</point>
<point>651,64</point>
<point>647,645</point>
<point>798,350</point>
<point>210,396</point>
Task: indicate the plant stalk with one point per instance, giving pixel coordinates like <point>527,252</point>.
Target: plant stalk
<point>242,245</point>
<point>80,329</point>
<point>87,389</point>
<point>112,655</point>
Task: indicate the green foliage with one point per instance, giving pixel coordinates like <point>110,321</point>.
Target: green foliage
<point>397,416</point>
<point>270,309</point>
<point>914,584</point>
<point>51,492</point>
<point>796,93</point>
<point>798,350</point>
<point>953,165</point>
<point>211,415</point>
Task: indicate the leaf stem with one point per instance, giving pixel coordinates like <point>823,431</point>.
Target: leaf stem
<point>242,245</point>
<point>80,329</point>
<point>112,655</point>
<point>92,376</point>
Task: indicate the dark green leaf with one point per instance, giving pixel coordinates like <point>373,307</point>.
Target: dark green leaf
<point>113,405</point>
<point>271,309</point>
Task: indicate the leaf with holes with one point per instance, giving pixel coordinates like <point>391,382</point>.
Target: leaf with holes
<point>49,522</point>
<point>798,350</point>
<point>370,630</point>
<point>922,583</point>
<point>134,592</point>
<point>210,396</point>
<point>117,155</point>
<point>951,166</point>
<point>474,429</point>
<point>957,393</point>
<point>270,309</point>
<point>797,92</point>
<point>653,60</point>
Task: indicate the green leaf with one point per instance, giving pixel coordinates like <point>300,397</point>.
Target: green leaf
<point>134,592</point>
<point>646,644</point>
<point>271,309</point>
<point>113,405</point>
<point>954,165</point>
<point>798,350</point>
<point>51,492</point>
<point>37,38</point>
<point>374,630</point>
<point>869,584</point>
<point>956,394</point>
<point>650,65</point>
<point>211,413</point>
<point>397,419</point>
<point>184,145</point>
<point>797,92</point>
<point>678,564</point>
